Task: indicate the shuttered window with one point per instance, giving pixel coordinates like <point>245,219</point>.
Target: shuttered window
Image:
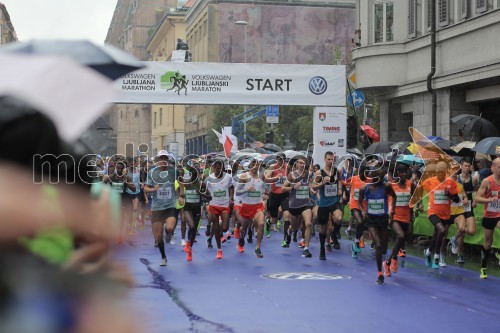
<point>464,8</point>
<point>429,3</point>
<point>481,6</point>
<point>443,12</point>
<point>412,18</point>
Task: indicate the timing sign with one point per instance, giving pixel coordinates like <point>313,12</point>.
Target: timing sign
<point>272,114</point>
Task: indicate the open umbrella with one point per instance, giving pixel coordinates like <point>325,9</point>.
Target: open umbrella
<point>372,134</point>
<point>409,159</point>
<point>482,127</point>
<point>73,96</point>
<point>105,59</point>
<point>462,119</point>
<point>465,145</point>
<point>489,146</point>
<point>382,147</point>
<point>271,147</point>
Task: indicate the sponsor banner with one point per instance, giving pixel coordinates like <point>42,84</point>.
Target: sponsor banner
<point>227,83</point>
<point>329,132</point>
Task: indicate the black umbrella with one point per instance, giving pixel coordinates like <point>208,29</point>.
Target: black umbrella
<point>272,147</point>
<point>462,119</point>
<point>105,59</point>
<point>488,146</point>
<point>382,147</point>
<point>482,127</point>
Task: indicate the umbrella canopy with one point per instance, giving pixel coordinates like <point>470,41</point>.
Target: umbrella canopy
<point>105,59</point>
<point>462,119</point>
<point>372,134</point>
<point>382,147</point>
<point>489,146</point>
<point>71,95</point>
<point>481,126</point>
<point>271,147</point>
<point>467,145</point>
<point>409,159</point>
<point>401,146</point>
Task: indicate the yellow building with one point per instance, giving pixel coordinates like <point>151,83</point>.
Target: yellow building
<point>7,32</point>
<point>167,121</point>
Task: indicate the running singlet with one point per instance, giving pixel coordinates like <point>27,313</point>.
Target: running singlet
<point>254,196</point>
<point>166,195</point>
<point>191,193</point>
<point>299,197</point>
<point>346,178</point>
<point>403,195</point>
<point>237,198</point>
<point>457,208</point>
<point>277,187</point>
<point>328,193</point>
<point>376,201</point>
<point>135,176</point>
<point>219,189</point>
<point>439,202</point>
<point>492,209</point>
<point>468,188</point>
<point>356,185</point>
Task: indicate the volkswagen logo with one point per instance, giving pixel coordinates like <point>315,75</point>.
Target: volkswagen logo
<point>305,276</point>
<point>317,85</point>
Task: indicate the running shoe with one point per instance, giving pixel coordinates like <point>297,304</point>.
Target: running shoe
<point>209,243</point>
<point>187,247</point>
<point>386,268</point>
<point>394,266</point>
<point>278,224</point>
<point>484,273</point>
<point>460,259</point>
<point>228,235</point>
<point>237,233</point>
<point>172,241</point>
<point>401,253</point>
<point>348,232</point>
<point>380,279</point>
<point>285,244</point>
<point>354,253</point>
<point>219,254</point>
<point>356,248</point>
<point>322,255</point>
<point>428,259</point>
<point>442,263</point>
<point>183,242</point>
<point>328,247</point>
<point>241,244</point>
<point>258,253</point>
<point>168,237</point>
<point>372,246</point>
<point>362,243</point>
<point>223,239</point>
<point>189,256</point>
<point>267,232</point>
<point>163,262</point>
<point>454,245</point>
<point>336,244</point>
<point>302,244</point>
<point>306,254</point>
<point>435,263</point>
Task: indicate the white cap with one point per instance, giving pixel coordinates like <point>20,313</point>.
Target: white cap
<point>162,153</point>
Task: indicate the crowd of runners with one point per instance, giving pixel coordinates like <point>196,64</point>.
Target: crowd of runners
<point>247,197</point>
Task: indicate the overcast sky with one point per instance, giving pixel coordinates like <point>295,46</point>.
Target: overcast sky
<point>61,19</point>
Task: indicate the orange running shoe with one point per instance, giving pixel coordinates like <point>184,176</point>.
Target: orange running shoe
<point>187,247</point>
<point>189,255</point>
<point>387,270</point>
<point>241,249</point>
<point>219,254</point>
<point>302,244</point>
<point>401,253</point>
<point>394,266</point>
<point>362,243</point>
<point>237,233</point>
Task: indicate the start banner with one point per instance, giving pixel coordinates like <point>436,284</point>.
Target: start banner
<point>329,133</point>
<point>238,84</point>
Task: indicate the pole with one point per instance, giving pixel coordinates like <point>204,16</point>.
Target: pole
<point>246,25</point>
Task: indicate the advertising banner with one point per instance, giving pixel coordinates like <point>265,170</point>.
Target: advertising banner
<point>228,83</point>
<point>329,132</point>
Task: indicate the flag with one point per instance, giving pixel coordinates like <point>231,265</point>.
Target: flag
<point>228,145</point>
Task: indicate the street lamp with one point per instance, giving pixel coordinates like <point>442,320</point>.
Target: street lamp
<point>244,23</point>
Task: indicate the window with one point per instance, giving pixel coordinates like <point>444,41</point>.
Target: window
<point>136,113</point>
<point>464,9</point>
<point>161,115</point>
<point>443,12</point>
<point>383,20</point>
<point>121,114</point>
<point>481,6</point>
<point>154,120</point>
<point>412,18</point>
<point>429,15</point>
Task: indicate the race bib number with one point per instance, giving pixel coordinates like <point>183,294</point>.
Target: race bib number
<point>118,187</point>
<point>192,196</point>
<point>280,182</point>
<point>376,206</point>
<point>402,199</point>
<point>254,194</point>
<point>356,194</point>
<point>493,207</point>
<point>330,190</point>
<point>468,207</point>
<point>440,198</point>
<point>302,192</point>
<point>219,194</point>
<point>164,194</point>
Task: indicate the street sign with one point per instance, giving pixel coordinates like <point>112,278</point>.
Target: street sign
<point>356,98</point>
<point>272,114</point>
<point>351,77</point>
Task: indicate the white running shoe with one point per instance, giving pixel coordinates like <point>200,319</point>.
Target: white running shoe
<point>163,262</point>
<point>442,263</point>
<point>183,242</point>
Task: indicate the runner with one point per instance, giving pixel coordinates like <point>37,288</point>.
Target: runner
<point>441,189</point>
<point>276,176</point>
<point>251,188</point>
<point>346,173</point>
<point>357,182</point>
<point>330,190</point>
<point>400,223</point>
<point>161,183</point>
<point>220,186</point>
<point>488,195</point>
<point>378,214</point>
<point>297,183</point>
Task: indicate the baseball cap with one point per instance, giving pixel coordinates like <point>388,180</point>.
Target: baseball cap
<point>441,166</point>
<point>162,153</point>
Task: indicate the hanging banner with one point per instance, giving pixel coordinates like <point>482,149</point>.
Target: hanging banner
<point>329,132</point>
<point>227,83</point>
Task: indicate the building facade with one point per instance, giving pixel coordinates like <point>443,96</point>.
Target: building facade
<point>394,60</point>
<point>292,32</point>
<point>7,31</point>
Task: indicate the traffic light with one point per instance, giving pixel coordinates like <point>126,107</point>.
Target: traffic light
<point>269,137</point>
<point>352,132</point>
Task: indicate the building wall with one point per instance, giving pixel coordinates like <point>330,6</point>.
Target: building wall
<point>7,31</point>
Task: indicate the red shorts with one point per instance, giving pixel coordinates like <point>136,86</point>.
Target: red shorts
<point>217,210</point>
<point>236,208</point>
<point>249,211</point>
